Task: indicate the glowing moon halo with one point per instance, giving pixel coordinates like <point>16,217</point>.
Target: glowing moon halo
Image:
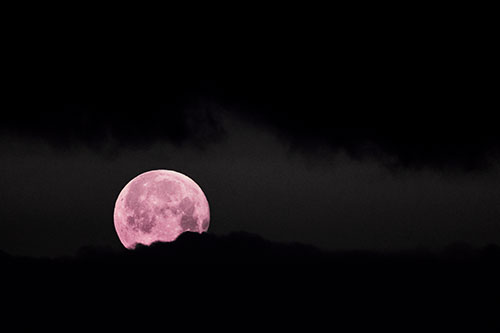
<point>159,205</point>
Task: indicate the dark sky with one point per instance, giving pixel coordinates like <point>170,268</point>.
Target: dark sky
<point>363,143</point>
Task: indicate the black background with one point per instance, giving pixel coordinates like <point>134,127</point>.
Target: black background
<point>399,111</point>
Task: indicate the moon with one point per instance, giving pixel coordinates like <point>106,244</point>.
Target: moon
<point>158,206</point>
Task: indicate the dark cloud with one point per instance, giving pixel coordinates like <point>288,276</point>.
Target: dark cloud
<point>438,145</point>
<point>124,124</point>
<point>416,100</point>
<point>414,109</point>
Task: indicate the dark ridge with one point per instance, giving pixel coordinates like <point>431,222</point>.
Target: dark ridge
<point>246,248</point>
<point>410,291</point>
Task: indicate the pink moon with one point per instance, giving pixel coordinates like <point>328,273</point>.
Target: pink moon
<point>158,206</point>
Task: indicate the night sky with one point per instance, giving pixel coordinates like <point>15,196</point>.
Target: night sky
<point>360,143</point>
<point>285,175</point>
<point>365,143</point>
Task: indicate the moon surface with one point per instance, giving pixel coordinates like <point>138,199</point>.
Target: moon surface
<point>159,205</point>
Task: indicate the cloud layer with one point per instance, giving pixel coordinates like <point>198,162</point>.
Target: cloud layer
<point>420,105</point>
